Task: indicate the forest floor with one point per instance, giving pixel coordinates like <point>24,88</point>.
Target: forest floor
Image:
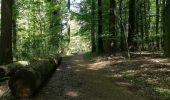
<point>90,77</point>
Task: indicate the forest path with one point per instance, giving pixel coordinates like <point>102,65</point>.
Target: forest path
<point>79,79</point>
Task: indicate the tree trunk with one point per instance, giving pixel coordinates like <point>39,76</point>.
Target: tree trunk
<point>6,56</point>
<point>132,19</point>
<point>112,24</point>
<point>157,24</point>
<point>25,82</point>
<point>100,28</point>
<point>93,40</point>
<point>141,39</point>
<point>163,22</point>
<point>68,25</point>
<point>14,31</point>
<point>122,42</point>
<point>10,69</point>
<point>167,29</point>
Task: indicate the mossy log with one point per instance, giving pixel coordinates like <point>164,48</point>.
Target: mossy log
<point>10,69</point>
<point>25,82</point>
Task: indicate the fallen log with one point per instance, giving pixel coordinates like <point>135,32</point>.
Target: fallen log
<point>25,82</point>
<point>10,69</point>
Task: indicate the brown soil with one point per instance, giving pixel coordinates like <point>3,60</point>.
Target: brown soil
<point>79,79</point>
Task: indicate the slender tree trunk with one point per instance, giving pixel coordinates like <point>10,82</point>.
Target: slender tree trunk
<point>137,20</point>
<point>132,19</point>
<point>112,22</point>
<point>149,26</point>
<point>163,21</point>
<point>68,25</point>
<point>167,29</point>
<point>93,40</point>
<point>6,56</point>
<point>14,25</point>
<point>100,30</point>
<point>14,31</point>
<point>157,23</point>
<point>141,26</point>
<point>145,25</point>
<point>121,27</point>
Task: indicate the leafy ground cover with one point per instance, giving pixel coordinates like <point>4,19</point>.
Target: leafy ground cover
<point>92,77</point>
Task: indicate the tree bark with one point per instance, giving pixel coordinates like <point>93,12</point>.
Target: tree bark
<point>141,18</point>
<point>157,23</point>
<point>14,30</point>
<point>122,42</point>
<point>112,22</point>
<point>10,69</point>
<point>132,19</point>
<point>93,27</point>
<point>100,28</point>
<point>68,25</point>
<point>167,29</point>
<point>6,56</point>
<point>25,82</point>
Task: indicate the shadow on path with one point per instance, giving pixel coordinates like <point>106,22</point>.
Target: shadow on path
<point>78,79</point>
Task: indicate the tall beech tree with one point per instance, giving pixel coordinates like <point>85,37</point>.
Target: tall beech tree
<point>157,21</point>
<point>132,19</point>
<point>167,29</point>
<point>122,43</point>
<point>112,24</point>
<point>100,28</point>
<point>14,26</point>
<point>93,26</point>
<point>6,32</point>
<point>69,18</point>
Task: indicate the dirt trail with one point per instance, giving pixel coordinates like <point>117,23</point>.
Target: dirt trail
<point>78,79</point>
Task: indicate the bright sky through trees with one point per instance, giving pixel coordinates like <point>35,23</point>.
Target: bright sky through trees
<point>74,5</point>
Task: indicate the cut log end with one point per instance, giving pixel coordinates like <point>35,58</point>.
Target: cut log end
<point>23,84</point>
<point>26,81</point>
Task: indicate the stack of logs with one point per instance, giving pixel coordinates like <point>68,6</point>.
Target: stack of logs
<point>27,77</point>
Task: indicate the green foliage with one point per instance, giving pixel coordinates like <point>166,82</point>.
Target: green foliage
<point>39,27</point>
<point>89,56</point>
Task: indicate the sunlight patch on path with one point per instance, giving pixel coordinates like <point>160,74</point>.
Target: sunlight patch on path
<point>72,93</point>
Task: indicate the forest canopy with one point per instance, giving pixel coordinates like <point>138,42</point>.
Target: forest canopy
<point>37,28</point>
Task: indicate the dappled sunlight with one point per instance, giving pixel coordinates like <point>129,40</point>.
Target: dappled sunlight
<point>161,61</point>
<point>140,73</point>
<point>1,92</point>
<point>77,70</point>
<point>114,76</point>
<point>3,88</point>
<point>163,91</point>
<point>24,62</point>
<point>98,65</point>
<point>144,65</point>
<point>152,81</point>
<point>130,72</point>
<point>58,69</point>
<point>124,84</point>
<point>72,93</point>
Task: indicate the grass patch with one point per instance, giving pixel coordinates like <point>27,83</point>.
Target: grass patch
<point>89,56</point>
<point>154,90</point>
<point>66,58</point>
<point>164,93</point>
